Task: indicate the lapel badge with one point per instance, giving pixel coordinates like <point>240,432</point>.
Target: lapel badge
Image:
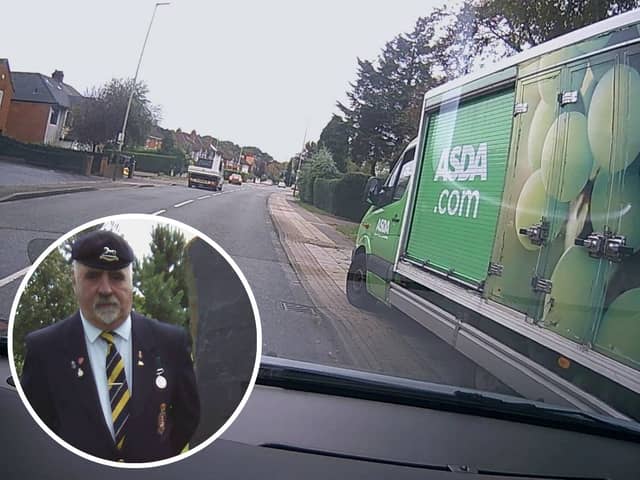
<point>162,418</point>
<point>80,372</point>
<point>140,362</point>
<point>161,382</point>
<point>80,360</point>
<point>73,364</point>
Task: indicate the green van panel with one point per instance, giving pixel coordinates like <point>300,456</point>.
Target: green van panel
<point>460,186</point>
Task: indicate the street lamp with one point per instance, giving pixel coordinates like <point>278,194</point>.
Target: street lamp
<point>304,142</point>
<point>135,77</point>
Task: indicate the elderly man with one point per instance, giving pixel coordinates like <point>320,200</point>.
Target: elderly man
<point>108,381</point>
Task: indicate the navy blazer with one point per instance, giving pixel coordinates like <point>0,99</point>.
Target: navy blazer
<point>68,404</point>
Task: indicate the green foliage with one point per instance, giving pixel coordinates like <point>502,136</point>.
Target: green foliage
<point>335,137</point>
<point>160,279</point>
<point>47,299</point>
<point>521,25</point>
<point>384,103</point>
<point>98,118</point>
<point>321,165</point>
<point>342,196</point>
<point>157,163</point>
<point>44,155</point>
<point>275,171</point>
<point>348,200</point>
<point>324,193</point>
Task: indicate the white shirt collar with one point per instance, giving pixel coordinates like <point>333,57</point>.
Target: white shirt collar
<point>92,332</point>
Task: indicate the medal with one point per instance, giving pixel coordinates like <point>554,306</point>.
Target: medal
<point>80,372</point>
<point>161,382</point>
<point>162,418</point>
<point>140,362</point>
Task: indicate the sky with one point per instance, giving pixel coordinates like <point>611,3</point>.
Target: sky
<point>138,233</point>
<point>255,72</point>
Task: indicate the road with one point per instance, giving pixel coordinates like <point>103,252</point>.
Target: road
<point>237,219</point>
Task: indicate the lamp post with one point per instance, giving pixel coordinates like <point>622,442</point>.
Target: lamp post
<point>304,142</point>
<point>135,77</point>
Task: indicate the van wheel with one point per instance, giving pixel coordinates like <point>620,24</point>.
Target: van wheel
<point>357,283</point>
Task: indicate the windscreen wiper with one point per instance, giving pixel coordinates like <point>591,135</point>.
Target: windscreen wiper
<point>295,375</point>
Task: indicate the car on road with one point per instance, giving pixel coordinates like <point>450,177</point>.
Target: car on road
<point>281,184</point>
<point>235,179</point>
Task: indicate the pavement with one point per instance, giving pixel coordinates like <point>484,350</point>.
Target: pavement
<point>321,261</point>
<point>141,179</point>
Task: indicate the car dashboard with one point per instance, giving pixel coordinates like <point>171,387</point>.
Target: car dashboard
<point>296,433</point>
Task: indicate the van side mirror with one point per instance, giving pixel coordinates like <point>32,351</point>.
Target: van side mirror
<point>372,190</point>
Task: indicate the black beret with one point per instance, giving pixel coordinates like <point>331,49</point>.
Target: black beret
<point>102,249</point>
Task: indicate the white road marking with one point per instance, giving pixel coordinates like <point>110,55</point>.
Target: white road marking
<point>182,204</point>
<point>158,212</point>
<point>203,197</point>
<point>13,277</point>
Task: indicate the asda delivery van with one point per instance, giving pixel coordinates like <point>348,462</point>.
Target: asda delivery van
<point>510,227</point>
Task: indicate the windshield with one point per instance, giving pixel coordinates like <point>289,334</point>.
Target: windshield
<point>502,253</point>
<point>204,162</point>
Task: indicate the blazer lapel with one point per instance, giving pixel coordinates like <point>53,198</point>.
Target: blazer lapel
<point>143,363</point>
<point>85,386</point>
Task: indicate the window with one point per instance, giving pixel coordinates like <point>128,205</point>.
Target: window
<point>204,162</point>
<point>53,119</point>
<point>407,169</point>
<point>1,95</point>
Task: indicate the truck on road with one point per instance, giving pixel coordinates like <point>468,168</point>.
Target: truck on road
<point>510,227</point>
<point>207,171</point>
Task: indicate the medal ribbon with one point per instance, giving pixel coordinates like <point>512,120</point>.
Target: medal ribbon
<point>119,394</point>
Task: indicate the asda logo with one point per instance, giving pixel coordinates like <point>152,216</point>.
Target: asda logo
<point>383,226</point>
<point>465,163</point>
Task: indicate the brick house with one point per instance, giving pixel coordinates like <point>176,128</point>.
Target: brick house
<point>6,93</point>
<point>154,140</point>
<point>40,110</point>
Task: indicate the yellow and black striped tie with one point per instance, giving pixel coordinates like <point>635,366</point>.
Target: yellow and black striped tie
<point>119,394</point>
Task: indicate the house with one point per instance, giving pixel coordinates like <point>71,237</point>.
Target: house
<point>154,140</point>
<point>247,163</point>
<point>6,93</point>
<point>40,110</point>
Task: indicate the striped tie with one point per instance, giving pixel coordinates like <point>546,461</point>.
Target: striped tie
<point>118,389</point>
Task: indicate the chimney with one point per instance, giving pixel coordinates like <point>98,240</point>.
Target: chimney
<point>58,75</point>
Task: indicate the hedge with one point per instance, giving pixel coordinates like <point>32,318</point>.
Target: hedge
<point>341,197</point>
<point>44,155</point>
<point>154,162</point>
<point>324,193</point>
<point>348,196</point>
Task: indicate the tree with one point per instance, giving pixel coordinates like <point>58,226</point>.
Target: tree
<point>275,171</point>
<point>48,298</point>
<point>386,97</point>
<point>321,165</point>
<point>160,278</point>
<point>335,137</point>
<point>99,116</point>
<point>288,175</point>
<point>482,30</point>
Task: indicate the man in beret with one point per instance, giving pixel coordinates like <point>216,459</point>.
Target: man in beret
<point>107,380</point>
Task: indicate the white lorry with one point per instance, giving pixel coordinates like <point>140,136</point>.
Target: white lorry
<point>207,172</point>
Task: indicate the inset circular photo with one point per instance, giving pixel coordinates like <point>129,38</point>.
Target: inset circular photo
<point>135,340</point>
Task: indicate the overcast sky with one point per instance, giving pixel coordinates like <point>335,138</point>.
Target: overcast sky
<point>254,72</point>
